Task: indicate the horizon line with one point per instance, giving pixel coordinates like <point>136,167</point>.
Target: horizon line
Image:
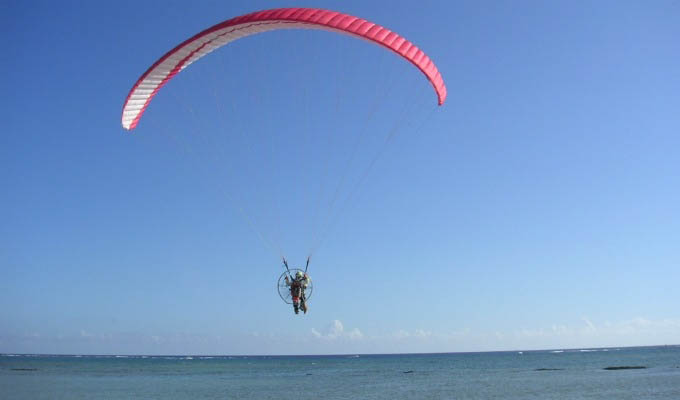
<point>574,349</point>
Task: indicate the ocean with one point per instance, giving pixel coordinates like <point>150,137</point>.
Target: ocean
<point>612,373</point>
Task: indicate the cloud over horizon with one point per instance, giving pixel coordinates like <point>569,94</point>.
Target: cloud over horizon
<point>336,330</point>
<point>334,338</point>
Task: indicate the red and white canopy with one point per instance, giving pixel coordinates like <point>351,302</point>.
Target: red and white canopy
<point>261,21</point>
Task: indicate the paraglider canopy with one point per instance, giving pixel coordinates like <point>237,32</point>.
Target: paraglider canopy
<point>225,32</point>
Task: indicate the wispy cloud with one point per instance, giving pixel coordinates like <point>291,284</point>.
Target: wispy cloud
<point>336,330</point>
<point>632,327</point>
<point>590,325</point>
<point>634,332</point>
<point>402,334</point>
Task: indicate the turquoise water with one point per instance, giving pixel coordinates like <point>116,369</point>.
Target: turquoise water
<point>568,374</point>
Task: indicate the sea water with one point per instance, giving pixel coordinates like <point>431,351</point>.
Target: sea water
<point>550,374</point>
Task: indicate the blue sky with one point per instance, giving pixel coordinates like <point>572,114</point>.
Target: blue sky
<point>538,208</point>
